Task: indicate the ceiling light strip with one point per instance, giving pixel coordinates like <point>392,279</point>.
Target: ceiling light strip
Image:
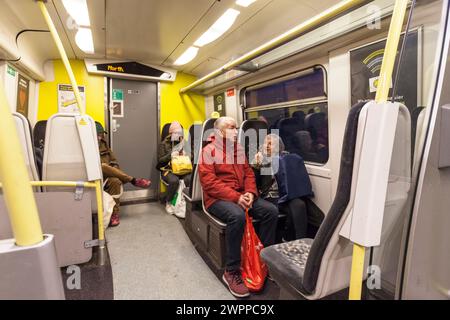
<point>306,26</point>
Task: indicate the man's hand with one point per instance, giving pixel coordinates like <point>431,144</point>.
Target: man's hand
<point>243,202</point>
<point>250,197</point>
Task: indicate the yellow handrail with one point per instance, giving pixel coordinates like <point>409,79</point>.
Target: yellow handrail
<point>302,28</point>
<point>18,193</point>
<point>99,195</point>
<point>384,84</point>
<point>68,184</point>
<point>63,54</point>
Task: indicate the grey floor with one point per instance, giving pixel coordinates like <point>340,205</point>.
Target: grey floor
<point>153,258</point>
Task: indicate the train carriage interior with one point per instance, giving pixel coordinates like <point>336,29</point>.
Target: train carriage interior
<point>331,117</point>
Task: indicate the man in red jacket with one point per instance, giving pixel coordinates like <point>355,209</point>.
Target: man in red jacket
<point>229,189</point>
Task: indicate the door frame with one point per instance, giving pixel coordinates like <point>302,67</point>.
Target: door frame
<point>109,119</point>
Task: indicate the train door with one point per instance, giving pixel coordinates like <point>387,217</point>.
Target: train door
<point>427,259</point>
<point>134,132</point>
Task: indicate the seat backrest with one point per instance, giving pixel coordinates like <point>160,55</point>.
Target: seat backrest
<point>71,150</point>
<point>288,128</point>
<point>328,265</point>
<point>300,116</point>
<point>340,203</point>
<point>67,218</point>
<point>249,132</point>
<point>39,134</point>
<point>416,124</point>
<point>24,132</point>
<point>194,141</point>
<point>315,123</point>
<point>195,190</point>
<point>165,131</point>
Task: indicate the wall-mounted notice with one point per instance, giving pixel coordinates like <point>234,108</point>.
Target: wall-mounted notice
<point>365,64</point>
<point>117,109</point>
<point>23,89</point>
<point>66,99</point>
<point>117,103</point>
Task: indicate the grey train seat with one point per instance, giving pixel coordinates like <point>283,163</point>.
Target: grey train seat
<point>71,154</point>
<point>296,265</point>
<point>194,143</point>
<point>194,192</point>
<point>417,117</point>
<point>314,123</point>
<point>288,128</point>
<point>39,134</point>
<point>300,116</point>
<point>317,268</point>
<point>250,131</point>
<point>24,133</point>
<point>165,131</point>
<point>206,232</point>
<point>39,143</point>
<point>65,218</point>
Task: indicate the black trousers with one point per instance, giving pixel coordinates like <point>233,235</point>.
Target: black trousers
<point>173,182</point>
<point>296,225</point>
<point>234,216</point>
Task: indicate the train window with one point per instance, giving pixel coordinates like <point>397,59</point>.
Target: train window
<point>296,108</point>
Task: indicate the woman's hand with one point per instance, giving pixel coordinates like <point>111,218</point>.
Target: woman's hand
<point>259,158</point>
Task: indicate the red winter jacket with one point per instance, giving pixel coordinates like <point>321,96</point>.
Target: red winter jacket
<point>225,177</point>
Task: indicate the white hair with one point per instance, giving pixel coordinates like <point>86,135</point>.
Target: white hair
<point>222,122</point>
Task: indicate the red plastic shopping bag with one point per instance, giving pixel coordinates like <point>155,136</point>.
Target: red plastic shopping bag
<point>254,270</point>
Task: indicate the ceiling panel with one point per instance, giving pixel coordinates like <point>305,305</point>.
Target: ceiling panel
<point>97,18</point>
<point>157,32</point>
<point>34,48</point>
<point>262,27</point>
<point>150,30</point>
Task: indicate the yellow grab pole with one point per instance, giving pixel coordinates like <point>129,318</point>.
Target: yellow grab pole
<point>62,53</point>
<point>390,52</point>
<point>18,193</point>
<point>384,84</point>
<point>73,81</point>
<point>357,274</point>
<point>99,194</point>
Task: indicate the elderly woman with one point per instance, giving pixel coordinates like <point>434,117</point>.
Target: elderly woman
<point>172,145</point>
<point>265,164</point>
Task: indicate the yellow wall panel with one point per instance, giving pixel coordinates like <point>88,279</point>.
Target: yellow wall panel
<point>186,108</point>
<point>94,86</point>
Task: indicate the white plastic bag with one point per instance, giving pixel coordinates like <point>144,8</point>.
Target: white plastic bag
<point>108,207</point>
<point>108,204</point>
<point>180,204</point>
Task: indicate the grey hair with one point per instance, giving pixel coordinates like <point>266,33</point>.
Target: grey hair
<point>278,141</point>
<point>222,121</point>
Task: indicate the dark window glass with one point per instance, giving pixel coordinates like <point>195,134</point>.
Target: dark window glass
<point>302,87</point>
<point>303,129</point>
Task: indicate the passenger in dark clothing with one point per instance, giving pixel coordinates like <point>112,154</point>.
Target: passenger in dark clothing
<point>172,145</point>
<point>294,209</point>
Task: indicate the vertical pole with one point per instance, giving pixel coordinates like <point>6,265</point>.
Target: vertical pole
<point>384,84</point>
<point>17,189</point>
<point>357,274</point>
<point>63,54</point>
<point>101,229</point>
